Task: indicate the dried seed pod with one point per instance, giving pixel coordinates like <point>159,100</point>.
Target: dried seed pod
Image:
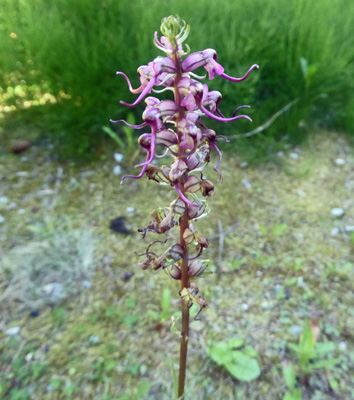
<point>188,236</point>
<point>207,187</point>
<point>175,252</point>
<point>175,271</point>
<point>196,268</point>
<point>196,212</point>
<point>178,206</point>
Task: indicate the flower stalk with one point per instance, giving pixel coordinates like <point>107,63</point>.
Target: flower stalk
<point>178,126</point>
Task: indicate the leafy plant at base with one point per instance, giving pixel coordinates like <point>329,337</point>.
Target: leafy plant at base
<point>241,363</point>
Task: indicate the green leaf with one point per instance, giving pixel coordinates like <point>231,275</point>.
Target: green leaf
<point>324,348</point>
<point>165,304</point>
<point>250,351</point>
<point>220,353</point>
<point>325,364</point>
<point>307,345</point>
<point>114,136</point>
<point>289,376</point>
<point>278,230</point>
<point>243,367</point>
<point>293,395</point>
<point>235,343</point>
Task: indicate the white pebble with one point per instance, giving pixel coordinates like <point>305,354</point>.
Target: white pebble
<point>259,273</point>
<point>11,206</point>
<point>244,306</point>
<point>294,156</point>
<point>246,184</point>
<point>21,211</point>
<point>243,164</point>
<point>342,346</point>
<point>29,357</point>
<point>280,154</point>
<point>295,329</point>
<point>21,173</point>
<point>3,200</point>
<point>130,210</point>
<point>117,170</point>
<point>300,192</point>
<point>334,231</point>
<point>349,228</point>
<point>118,157</point>
<point>13,331</point>
<point>337,212</point>
<point>2,219</point>
<point>339,161</point>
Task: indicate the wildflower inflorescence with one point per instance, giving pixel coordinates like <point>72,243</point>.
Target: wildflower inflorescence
<point>178,126</point>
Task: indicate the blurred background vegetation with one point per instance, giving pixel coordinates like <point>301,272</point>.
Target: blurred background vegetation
<point>58,61</point>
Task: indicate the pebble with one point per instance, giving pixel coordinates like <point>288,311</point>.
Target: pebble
<point>86,284</point>
<point>259,273</point>
<point>29,357</point>
<point>2,219</point>
<point>117,170</point>
<point>21,173</point>
<point>3,200</point>
<point>130,210</point>
<point>243,164</point>
<point>118,157</point>
<point>11,206</point>
<point>278,287</point>
<point>349,228</point>
<point>94,339</point>
<point>337,212</point>
<point>295,330</point>
<point>13,331</point>
<point>342,346</point>
<point>246,184</point>
<point>339,161</point>
<point>334,231</point>
<point>244,306</point>
<point>294,156</point>
<point>300,192</point>
<point>280,154</point>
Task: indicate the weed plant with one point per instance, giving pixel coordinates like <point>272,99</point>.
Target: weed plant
<point>69,49</point>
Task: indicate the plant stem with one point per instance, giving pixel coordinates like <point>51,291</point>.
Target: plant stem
<point>185,310</point>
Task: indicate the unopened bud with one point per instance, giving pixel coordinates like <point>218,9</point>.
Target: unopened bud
<point>196,267</point>
<point>209,134</point>
<point>192,184</point>
<point>192,162</point>
<point>196,212</point>
<point>178,206</point>
<point>167,138</point>
<point>188,236</point>
<point>145,140</point>
<point>178,169</point>
<point>175,271</point>
<point>175,252</point>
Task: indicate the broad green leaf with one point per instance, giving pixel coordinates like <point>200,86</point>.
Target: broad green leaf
<point>243,367</point>
<point>289,376</point>
<point>235,343</point>
<point>324,348</point>
<point>220,353</point>
<point>250,351</point>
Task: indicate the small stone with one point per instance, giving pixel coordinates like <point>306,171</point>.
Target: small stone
<point>86,284</point>
<point>118,157</point>
<point>297,150</point>
<point>278,287</point>
<point>126,276</point>
<point>246,184</point>
<point>349,228</point>
<point>34,313</point>
<point>334,231</point>
<point>94,339</point>
<point>243,164</point>
<point>295,330</point>
<point>130,210</point>
<point>24,159</point>
<point>259,273</point>
<point>117,170</point>
<point>29,357</point>
<point>342,346</point>
<point>13,331</point>
<point>21,173</point>
<point>244,306</point>
<point>3,200</point>
<point>337,212</point>
<point>339,161</point>
<point>294,156</point>
<point>20,146</point>
<point>2,219</point>
<point>21,211</point>
<point>11,206</point>
<point>280,154</point>
<point>300,192</point>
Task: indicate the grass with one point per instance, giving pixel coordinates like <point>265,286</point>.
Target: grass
<point>280,267</point>
<point>58,62</point>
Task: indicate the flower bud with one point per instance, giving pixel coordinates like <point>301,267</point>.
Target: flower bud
<point>175,252</point>
<point>196,268</point>
<point>188,236</point>
<point>196,212</point>
<point>145,140</point>
<point>167,108</point>
<point>146,264</point>
<point>178,169</point>
<point>178,206</point>
<point>175,271</point>
<point>209,135</point>
<point>192,184</point>
<point>207,187</point>
<point>167,138</point>
<point>192,162</point>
